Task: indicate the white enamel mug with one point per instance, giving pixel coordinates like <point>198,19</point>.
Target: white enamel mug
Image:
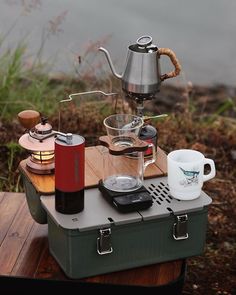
<point>185,168</point>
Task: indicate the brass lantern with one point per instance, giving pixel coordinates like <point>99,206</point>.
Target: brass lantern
<point>38,141</point>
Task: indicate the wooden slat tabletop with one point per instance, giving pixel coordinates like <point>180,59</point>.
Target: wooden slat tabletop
<point>45,184</point>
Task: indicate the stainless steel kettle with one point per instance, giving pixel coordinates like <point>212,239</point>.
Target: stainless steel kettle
<point>141,77</point>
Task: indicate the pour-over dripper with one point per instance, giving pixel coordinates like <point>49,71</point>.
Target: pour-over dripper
<point>123,129</point>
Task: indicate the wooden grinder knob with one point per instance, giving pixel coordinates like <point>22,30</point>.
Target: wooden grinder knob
<point>29,118</point>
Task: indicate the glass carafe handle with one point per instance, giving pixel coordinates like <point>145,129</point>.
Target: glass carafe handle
<point>153,159</point>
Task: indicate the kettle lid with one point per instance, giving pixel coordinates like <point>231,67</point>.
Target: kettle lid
<point>143,45</point>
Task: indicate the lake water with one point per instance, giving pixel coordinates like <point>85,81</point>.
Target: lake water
<point>201,33</point>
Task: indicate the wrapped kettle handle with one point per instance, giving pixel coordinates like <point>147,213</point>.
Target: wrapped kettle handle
<point>174,60</point>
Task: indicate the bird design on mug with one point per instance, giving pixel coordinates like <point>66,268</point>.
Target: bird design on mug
<point>191,177</point>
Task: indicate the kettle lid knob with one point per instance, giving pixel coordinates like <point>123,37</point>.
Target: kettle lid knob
<point>144,41</point>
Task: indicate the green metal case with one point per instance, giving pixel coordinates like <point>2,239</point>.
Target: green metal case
<point>100,239</point>
<point>34,203</point>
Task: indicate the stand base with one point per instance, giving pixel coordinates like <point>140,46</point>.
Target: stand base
<point>39,168</point>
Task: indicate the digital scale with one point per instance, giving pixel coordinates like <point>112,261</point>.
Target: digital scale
<point>139,199</point>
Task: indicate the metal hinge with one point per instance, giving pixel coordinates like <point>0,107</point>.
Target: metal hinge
<point>104,242</point>
<point>180,227</point>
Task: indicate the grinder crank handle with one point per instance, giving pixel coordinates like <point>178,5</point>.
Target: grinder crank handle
<point>174,60</point>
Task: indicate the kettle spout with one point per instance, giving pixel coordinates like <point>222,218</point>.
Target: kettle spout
<point>110,62</point>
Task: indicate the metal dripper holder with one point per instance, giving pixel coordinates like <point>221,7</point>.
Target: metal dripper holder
<point>72,95</point>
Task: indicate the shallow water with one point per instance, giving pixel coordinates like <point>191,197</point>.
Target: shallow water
<point>201,33</point>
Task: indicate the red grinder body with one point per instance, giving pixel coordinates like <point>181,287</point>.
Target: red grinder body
<point>69,174</point>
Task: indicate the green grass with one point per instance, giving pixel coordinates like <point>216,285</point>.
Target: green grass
<point>22,88</point>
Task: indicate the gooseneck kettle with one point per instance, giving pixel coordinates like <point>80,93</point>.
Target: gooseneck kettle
<point>142,76</point>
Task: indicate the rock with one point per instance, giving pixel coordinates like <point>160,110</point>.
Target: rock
<point>233,154</point>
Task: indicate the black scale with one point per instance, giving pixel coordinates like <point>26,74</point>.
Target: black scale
<point>125,202</point>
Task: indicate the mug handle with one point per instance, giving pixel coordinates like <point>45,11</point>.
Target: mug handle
<point>153,159</point>
<point>212,172</point>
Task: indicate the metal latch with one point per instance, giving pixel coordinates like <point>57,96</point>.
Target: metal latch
<point>104,242</point>
<point>180,227</point>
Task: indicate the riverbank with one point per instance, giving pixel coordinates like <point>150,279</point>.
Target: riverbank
<point>202,118</point>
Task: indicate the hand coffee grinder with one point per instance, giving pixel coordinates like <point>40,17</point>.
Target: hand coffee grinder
<point>142,77</point>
